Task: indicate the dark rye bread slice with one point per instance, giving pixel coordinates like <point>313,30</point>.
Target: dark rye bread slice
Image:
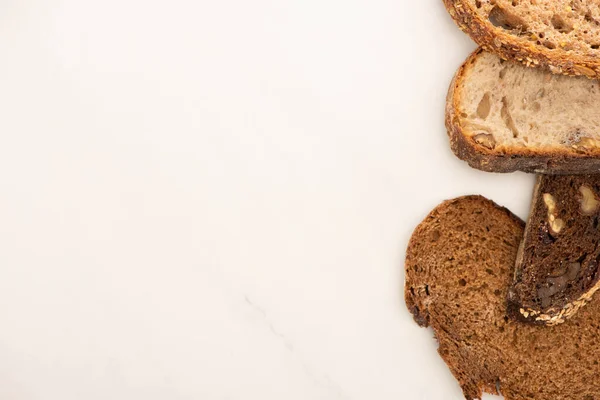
<point>556,272</point>
<point>561,35</point>
<point>503,117</point>
<point>459,265</point>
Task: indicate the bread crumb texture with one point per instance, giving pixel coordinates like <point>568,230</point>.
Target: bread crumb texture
<point>506,107</point>
<point>459,265</point>
<point>563,35</point>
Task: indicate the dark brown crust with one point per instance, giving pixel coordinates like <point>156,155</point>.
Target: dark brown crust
<point>513,306</point>
<point>556,161</point>
<point>509,47</point>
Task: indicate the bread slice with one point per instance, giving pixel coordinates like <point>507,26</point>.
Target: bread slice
<point>459,265</point>
<point>503,117</point>
<point>557,270</point>
<point>562,35</point>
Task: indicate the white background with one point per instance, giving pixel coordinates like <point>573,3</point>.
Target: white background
<point>212,199</point>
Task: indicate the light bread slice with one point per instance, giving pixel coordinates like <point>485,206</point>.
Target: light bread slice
<point>459,265</point>
<point>557,270</point>
<point>503,117</point>
<point>562,35</point>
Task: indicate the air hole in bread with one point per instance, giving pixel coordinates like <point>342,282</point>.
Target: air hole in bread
<point>462,282</point>
<point>589,18</point>
<point>549,45</point>
<point>484,107</point>
<point>595,46</point>
<point>555,107</point>
<point>478,4</point>
<point>560,24</point>
<point>503,19</point>
<point>507,118</point>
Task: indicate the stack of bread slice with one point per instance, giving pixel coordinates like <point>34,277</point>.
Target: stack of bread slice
<point>512,304</point>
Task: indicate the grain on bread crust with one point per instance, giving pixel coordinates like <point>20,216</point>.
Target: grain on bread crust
<point>557,269</point>
<point>556,159</point>
<point>515,42</point>
<point>459,265</point>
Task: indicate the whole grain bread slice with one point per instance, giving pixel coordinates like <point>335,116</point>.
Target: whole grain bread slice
<point>503,117</point>
<point>557,268</point>
<point>561,35</point>
<point>459,265</point>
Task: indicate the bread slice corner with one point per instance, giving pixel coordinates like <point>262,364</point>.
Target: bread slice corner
<point>557,269</point>
<point>459,265</point>
<point>561,36</point>
<point>504,117</point>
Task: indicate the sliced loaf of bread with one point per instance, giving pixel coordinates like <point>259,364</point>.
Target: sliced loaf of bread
<point>557,268</point>
<point>459,265</point>
<point>503,117</point>
<point>562,35</point>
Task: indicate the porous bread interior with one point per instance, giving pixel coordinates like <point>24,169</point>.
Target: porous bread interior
<point>527,107</point>
<point>556,25</point>
<point>459,265</point>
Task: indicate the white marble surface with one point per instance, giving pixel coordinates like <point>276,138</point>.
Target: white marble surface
<point>211,199</point>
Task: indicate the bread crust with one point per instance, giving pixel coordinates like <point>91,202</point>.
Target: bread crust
<point>459,265</point>
<point>557,160</point>
<point>551,317</point>
<point>514,48</point>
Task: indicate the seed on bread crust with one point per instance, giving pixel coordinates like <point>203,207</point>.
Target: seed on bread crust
<point>582,70</point>
<point>508,34</point>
